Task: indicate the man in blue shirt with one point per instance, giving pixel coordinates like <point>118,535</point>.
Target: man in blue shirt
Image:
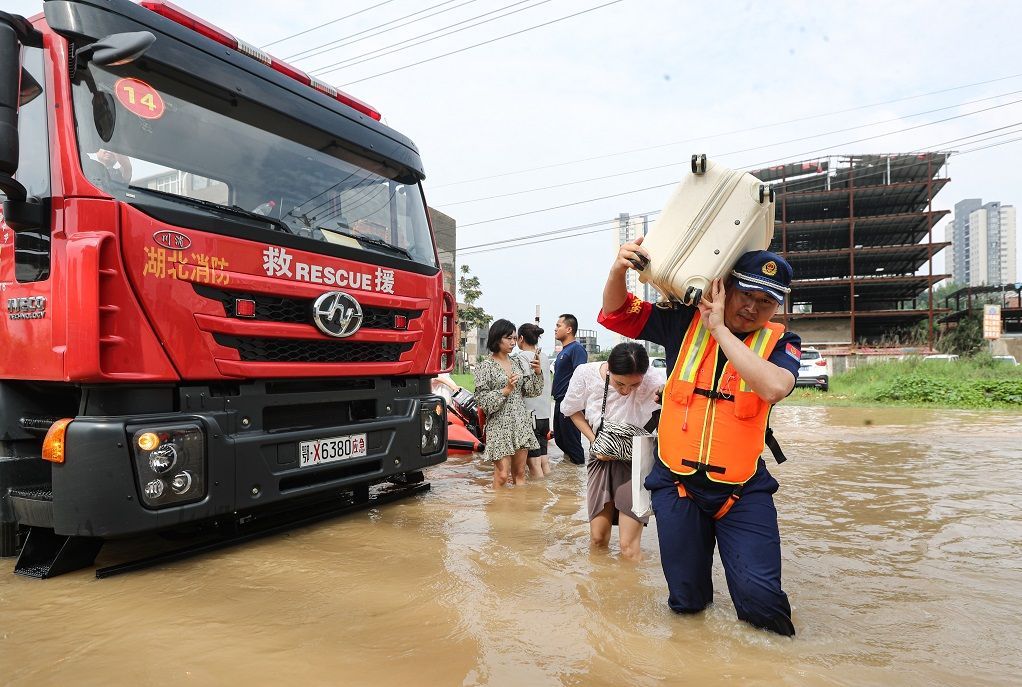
<point>566,434</point>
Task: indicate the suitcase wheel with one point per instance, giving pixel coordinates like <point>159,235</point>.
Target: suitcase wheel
<point>699,163</point>
<point>692,296</point>
<point>766,192</point>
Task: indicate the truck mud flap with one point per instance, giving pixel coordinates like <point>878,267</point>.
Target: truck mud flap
<point>248,527</point>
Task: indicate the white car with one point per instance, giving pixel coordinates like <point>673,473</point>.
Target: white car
<point>658,362</point>
<point>813,370</point>
<point>1006,360</point>
<point>942,357</point>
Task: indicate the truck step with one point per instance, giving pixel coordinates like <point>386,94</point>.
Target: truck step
<point>46,554</point>
<point>32,507</point>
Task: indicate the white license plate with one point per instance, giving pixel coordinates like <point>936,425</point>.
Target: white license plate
<point>331,450</point>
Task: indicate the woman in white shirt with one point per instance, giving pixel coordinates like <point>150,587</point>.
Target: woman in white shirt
<point>623,389</point>
<point>528,348</point>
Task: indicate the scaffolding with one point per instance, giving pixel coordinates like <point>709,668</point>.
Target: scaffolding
<point>858,231</point>
<point>1008,296</point>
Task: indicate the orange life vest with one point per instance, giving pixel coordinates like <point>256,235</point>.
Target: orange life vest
<point>716,428</point>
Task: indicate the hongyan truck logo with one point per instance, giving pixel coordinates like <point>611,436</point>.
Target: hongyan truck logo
<point>336,313</point>
<point>277,262</point>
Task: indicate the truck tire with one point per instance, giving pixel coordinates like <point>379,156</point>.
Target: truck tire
<point>8,539</point>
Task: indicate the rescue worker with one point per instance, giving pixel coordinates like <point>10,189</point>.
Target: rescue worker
<point>729,364</point>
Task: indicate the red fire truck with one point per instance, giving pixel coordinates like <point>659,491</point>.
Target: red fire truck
<point>221,288</point>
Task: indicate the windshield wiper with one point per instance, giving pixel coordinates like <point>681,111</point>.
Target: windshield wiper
<point>208,204</point>
<point>372,240</point>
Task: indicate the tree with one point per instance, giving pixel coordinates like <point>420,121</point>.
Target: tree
<point>965,338</point>
<point>470,315</point>
<point>942,291</point>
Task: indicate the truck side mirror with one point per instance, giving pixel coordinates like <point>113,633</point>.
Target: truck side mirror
<point>117,49</point>
<point>17,87</point>
<point>10,86</point>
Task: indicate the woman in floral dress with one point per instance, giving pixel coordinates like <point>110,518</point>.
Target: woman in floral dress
<point>501,382</point>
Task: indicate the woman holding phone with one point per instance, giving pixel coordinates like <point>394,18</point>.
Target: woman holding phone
<point>502,383</point>
<point>528,349</point>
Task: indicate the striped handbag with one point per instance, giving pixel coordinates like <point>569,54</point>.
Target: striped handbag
<point>614,439</point>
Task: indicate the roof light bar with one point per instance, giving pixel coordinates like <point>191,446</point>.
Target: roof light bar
<point>190,21</point>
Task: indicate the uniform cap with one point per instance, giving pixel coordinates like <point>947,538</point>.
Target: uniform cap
<point>761,270</point>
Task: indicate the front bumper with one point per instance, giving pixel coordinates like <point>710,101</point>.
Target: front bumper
<point>251,447</point>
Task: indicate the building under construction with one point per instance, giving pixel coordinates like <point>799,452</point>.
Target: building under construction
<point>858,231</point>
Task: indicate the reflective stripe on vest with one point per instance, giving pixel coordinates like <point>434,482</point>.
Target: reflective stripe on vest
<point>721,429</point>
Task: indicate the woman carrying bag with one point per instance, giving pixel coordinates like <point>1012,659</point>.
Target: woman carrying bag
<point>609,402</point>
<point>501,382</point>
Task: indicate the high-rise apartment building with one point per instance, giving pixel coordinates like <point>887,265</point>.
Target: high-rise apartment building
<point>983,240</point>
<point>629,228</point>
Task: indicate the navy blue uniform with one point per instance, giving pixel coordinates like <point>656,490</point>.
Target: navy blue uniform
<point>748,537</point>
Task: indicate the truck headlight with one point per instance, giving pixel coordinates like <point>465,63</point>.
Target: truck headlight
<point>162,458</point>
<point>433,425</point>
<point>170,464</point>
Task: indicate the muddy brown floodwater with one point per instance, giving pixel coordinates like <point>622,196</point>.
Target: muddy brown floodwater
<point>902,535</point>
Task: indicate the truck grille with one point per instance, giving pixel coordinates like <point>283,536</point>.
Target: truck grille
<point>301,351</point>
<point>276,309</point>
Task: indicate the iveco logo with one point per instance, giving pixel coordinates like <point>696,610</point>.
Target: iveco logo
<point>337,314</point>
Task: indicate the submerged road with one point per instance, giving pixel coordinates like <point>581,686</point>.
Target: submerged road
<point>902,534</point>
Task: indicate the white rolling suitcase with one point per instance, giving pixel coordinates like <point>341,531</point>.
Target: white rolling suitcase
<point>714,216</point>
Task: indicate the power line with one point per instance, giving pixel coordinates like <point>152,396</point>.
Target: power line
<point>492,40</point>
<point>568,205</point>
<point>386,50</point>
<point>733,152</point>
<point>797,184</point>
<point>548,233</point>
<point>328,23</point>
<point>733,132</point>
<point>469,249</point>
<point>991,145</point>
<point>787,188</point>
<point>753,166</point>
<point>304,54</point>
<point>531,243</point>
<point>899,131</point>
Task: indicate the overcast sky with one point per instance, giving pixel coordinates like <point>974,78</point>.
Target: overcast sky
<point>532,110</point>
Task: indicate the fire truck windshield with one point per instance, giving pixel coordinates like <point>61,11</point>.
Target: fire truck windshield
<point>147,130</point>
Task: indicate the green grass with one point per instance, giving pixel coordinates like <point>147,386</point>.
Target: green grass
<point>465,381</point>
<point>976,382</point>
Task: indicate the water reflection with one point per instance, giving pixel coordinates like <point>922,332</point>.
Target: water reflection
<point>902,544</point>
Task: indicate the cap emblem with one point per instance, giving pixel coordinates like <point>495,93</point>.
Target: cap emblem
<point>770,268</point>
